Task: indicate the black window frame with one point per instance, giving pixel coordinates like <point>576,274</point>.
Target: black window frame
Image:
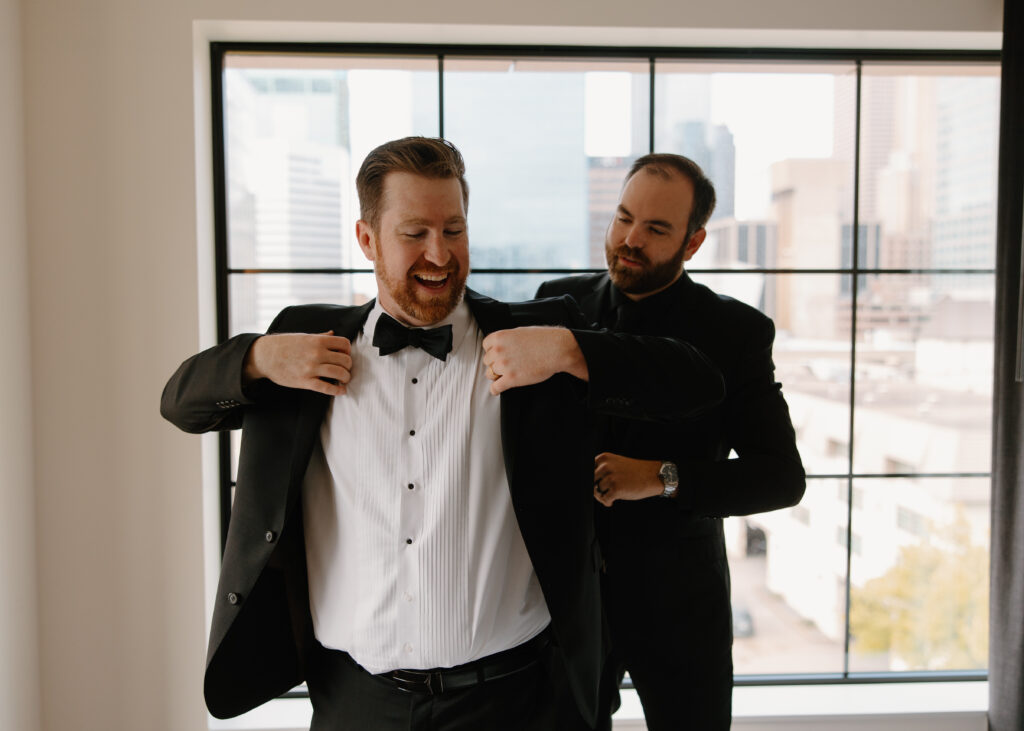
<point>854,273</point>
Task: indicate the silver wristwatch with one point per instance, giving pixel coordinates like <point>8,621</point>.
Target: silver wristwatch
<point>669,476</point>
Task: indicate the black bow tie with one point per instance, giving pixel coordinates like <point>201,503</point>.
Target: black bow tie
<point>390,336</point>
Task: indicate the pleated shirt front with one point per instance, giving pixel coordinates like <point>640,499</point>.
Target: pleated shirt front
<point>415,557</point>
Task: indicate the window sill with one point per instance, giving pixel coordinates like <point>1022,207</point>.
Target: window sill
<point>955,706</point>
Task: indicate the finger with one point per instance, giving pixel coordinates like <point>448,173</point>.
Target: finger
<point>342,375</point>
<point>602,470</point>
<point>493,342</point>
<point>333,357</point>
<point>325,387</point>
<point>337,344</point>
<point>507,380</point>
<point>503,383</point>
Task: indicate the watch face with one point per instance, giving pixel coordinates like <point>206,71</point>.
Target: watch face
<point>669,474</point>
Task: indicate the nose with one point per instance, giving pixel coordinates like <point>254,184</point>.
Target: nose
<point>633,237</point>
<point>437,252</point>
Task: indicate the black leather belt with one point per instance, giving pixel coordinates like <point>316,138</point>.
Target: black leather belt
<point>499,665</point>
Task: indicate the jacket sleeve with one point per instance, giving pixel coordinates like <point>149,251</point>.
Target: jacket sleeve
<point>206,392</point>
<point>644,377</point>
<point>767,473</point>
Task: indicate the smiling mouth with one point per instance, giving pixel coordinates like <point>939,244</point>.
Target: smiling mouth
<point>432,281</point>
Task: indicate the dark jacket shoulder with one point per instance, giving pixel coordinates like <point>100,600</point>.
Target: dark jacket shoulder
<point>736,317</point>
<point>313,317</point>
<point>575,285</point>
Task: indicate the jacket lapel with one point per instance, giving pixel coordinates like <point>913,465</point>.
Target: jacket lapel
<point>490,314</point>
<point>597,301</point>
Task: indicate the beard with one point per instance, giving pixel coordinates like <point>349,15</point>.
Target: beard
<point>411,298</point>
<point>648,277</point>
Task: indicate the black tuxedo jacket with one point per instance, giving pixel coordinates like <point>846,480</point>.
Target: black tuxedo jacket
<point>262,630</point>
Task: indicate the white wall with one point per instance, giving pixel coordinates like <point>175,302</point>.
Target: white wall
<point>19,669</point>
<point>111,217</point>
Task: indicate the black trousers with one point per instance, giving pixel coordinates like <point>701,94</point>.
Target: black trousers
<point>346,697</point>
<point>672,631</point>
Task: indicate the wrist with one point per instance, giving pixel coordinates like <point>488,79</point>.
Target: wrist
<point>573,361</point>
<point>250,370</point>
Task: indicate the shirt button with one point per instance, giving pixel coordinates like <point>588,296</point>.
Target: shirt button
<point>410,486</point>
<point>269,535</point>
<point>408,647</point>
<point>408,597</point>
<point>412,432</point>
<point>408,541</point>
<point>415,380</point>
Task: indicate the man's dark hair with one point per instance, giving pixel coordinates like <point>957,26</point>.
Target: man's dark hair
<point>663,164</point>
<point>431,157</point>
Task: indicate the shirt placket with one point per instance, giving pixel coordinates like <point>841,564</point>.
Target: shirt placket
<point>412,509</point>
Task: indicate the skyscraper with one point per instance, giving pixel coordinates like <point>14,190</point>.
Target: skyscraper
<point>288,190</point>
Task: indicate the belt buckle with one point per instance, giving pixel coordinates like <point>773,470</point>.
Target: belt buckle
<point>415,681</point>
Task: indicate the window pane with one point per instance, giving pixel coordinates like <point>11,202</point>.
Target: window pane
<point>509,287</point>
<point>257,298</point>
<point>770,138</point>
<point>789,585</point>
<point>547,144</point>
<point>811,354</point>
<point>928,166</point>
<point>296,130</point>
<point>924,374</point>
<point>919,598</point>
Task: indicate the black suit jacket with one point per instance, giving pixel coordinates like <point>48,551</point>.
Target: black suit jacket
<point>262,631</point>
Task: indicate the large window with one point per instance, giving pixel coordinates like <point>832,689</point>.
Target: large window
<point>856,208</point>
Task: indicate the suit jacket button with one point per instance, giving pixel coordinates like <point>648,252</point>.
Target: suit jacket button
<point>269,535</point>
<point>233,598</point>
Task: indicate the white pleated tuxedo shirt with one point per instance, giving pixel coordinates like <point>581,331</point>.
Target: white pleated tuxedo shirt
<point>414,554</point>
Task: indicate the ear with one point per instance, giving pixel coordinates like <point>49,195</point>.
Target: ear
<point>694,243</point>
<point>367,239</point>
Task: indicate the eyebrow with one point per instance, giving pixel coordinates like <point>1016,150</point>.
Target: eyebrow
<point>651,221</point>
<point>426,222</point>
